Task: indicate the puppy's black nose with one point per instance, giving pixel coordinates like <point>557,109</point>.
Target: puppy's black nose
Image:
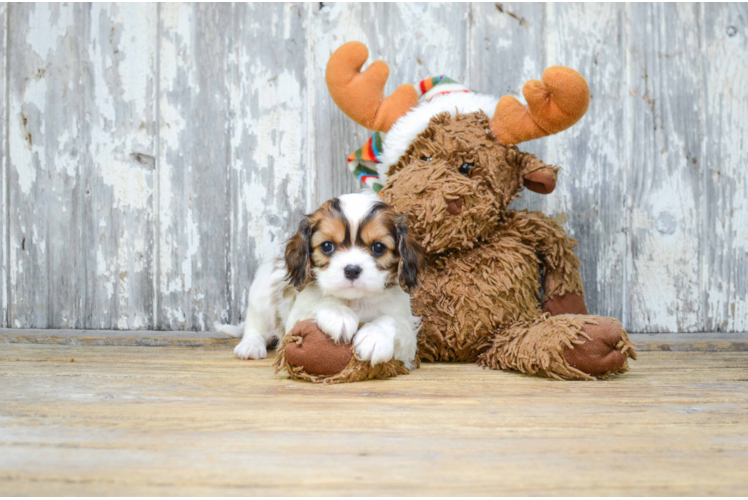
<point>352,272</point>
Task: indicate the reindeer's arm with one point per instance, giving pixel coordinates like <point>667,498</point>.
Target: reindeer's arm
<point>562,283</point>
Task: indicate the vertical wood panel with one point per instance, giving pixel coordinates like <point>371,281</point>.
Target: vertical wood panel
<point>233,180</point>
<point>272,177</point>
<point>120,111</point>
<point>194,165</point>
<point>589,198</point>
<point>725,163</point>
<point>3,167</point>
<point>137,179</point>
<point>81,110</point>
<point>416,40</point>
<point>664,137</point>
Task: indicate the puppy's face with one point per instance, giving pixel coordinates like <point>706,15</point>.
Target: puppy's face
<point>353,246</point>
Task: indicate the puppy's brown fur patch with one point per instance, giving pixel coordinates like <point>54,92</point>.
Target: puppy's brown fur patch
<point>403,256</point>
<point>380,226</point>
<point>328,224</point>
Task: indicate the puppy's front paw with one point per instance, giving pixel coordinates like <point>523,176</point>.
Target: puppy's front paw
<point>340,323</point>
<point>251,347</point>
<point>375,341</point>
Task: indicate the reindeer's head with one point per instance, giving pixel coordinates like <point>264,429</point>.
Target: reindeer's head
<point>450,161</point>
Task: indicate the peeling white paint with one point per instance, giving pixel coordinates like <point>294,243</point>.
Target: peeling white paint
<point>663,239</point>
<point>52,23</point>
<point>26,147</point>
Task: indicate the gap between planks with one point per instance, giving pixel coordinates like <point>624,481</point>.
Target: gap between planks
<point>646,342</point>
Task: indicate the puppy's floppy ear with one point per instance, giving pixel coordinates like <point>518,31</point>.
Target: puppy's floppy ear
<point>299,256</point>
<point>412,260</point>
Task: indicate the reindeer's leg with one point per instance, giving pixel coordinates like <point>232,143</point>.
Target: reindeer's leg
<point>567,347</point>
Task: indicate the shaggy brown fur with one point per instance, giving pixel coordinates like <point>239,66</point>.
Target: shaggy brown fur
<point>481,289</point>
<point>537,347</point>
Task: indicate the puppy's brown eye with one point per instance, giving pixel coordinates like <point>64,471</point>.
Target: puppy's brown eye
<point>327,247</point>
<point>466,168</point>
<point>378,249</point>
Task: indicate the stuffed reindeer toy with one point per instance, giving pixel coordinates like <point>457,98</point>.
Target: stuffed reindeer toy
<point>447,158</point>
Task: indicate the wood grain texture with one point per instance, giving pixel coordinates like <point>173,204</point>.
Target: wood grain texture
<point>589,198</point>
<point>725,203</point>
<point>3,165</point>
<point>121,116</point>
<point>194,200</point>
<point>152,156</point>
<point>47,168</point>
<point>234,173</point>
<point>645,342</point>
<point>170,421</point>
<point>272,171</point>
<point>81,165</point>
<point>665,154</point>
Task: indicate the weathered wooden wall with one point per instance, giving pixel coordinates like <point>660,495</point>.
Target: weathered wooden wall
<point>151,155</point>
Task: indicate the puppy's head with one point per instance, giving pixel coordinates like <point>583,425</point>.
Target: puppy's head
<point>353,246</point>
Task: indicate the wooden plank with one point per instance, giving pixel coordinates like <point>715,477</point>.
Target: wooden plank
<point>112,334</point>
<point>251,139</point>
<point>645,342</point>
<point>589,198</point>
<point>120,111</point>
<point>3,165</point>
<point>270,129</point>
<point>700,341</point>
<point>170,421</point>
<point>234,188</point>
<point>47,148</point>
<point>194,161</point>
<point>416,40</point>
<point>88,338</point>
<point>664,139</point>
<point>725,207</point>
<point>81,122</point>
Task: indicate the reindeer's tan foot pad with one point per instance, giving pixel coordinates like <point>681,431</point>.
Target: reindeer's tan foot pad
<point>568,303</point>
<point>601,349</point>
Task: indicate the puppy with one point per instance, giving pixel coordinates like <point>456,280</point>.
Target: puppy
<point>352,261</point>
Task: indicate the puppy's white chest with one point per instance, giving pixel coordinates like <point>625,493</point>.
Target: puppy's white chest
<point>368,311</point>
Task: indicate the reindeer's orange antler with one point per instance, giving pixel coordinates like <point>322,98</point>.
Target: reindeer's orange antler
<point>553,105</point>
<point>361,95</point>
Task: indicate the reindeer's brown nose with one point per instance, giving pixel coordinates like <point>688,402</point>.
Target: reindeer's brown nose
<point>454,207</point>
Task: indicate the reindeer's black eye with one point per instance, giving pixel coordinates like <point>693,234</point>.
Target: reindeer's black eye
<point>426,158</point>
<point>378,249</point>
<point>327,247</point>
<point>466,168</point>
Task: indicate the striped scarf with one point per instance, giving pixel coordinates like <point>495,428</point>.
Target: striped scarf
<point>363,162</point>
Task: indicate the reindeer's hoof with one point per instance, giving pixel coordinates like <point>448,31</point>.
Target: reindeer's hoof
<point>602,354</point>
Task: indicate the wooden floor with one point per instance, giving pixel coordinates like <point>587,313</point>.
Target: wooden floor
<point>135,420</point>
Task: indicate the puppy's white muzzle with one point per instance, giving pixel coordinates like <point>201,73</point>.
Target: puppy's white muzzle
<point>351,274</point>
